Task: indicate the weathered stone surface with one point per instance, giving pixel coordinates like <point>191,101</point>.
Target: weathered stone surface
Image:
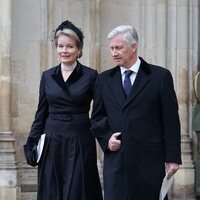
<point>168,36</point>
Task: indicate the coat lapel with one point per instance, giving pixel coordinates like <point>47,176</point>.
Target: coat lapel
<point>75,75</point>
<point>140,82</point>
<point>115,86</point>
<point>57,77</point>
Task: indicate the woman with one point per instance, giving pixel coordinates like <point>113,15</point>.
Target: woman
<point>67,169</point>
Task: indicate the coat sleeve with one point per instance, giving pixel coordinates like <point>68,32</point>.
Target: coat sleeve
<point>41,115</point>
<point>99,119</point>
<point>170,119</point>
<point>37,126</point>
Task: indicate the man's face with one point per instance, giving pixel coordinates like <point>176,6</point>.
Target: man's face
<point>122,54</point>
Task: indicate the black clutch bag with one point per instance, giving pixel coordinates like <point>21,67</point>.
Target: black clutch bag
<point>33,153</point>
<point>30,152</point>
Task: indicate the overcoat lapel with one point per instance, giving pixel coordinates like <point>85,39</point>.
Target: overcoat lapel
<point>140,82</point>
<point>115,83</point>
<point>76,74</point>
<point>115,86</point>
<point>56,77</point>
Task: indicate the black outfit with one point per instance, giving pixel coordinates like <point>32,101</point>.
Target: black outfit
<point>67,169</point>
<point>149,122</point>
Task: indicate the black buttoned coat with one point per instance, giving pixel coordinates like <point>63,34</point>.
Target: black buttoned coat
<point>149,122</point>
<point>68,167</point>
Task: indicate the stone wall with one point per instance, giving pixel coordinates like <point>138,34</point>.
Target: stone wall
<point>168,36</point>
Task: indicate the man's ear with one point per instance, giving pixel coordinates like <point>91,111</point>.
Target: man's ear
<point>134,47</point>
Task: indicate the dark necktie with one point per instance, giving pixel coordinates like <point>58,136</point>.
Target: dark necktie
<point>127,82</point>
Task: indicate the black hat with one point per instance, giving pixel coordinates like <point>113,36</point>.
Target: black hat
<point>68,25</point>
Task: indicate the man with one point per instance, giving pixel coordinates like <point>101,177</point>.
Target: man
<point>135,119</point>
<point>196,128</point>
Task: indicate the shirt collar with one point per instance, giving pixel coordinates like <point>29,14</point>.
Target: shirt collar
<point>134,68</point>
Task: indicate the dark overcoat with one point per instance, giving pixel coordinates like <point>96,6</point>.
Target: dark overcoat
<point>67,169</point>
<point>149,122</point>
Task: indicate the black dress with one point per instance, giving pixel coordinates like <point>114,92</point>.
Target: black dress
<point>67,169</point>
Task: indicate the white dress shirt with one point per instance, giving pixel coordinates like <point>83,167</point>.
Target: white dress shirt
<point>134,68</point>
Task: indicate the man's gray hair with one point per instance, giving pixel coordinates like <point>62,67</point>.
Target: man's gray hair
<point>130,34</point>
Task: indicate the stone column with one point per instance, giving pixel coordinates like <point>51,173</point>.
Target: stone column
<point>182,17</point>
<point>8,171</point>
<point>92,22</point>
<point>94,26</point>
<point>39,41</point>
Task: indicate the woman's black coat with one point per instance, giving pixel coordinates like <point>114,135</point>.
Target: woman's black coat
<point>67,169</point>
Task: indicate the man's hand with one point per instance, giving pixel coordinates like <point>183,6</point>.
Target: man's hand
<point>171,168</point>
<point>114,144</point>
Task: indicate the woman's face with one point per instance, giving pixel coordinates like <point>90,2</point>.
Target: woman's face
<point>67,50</point>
